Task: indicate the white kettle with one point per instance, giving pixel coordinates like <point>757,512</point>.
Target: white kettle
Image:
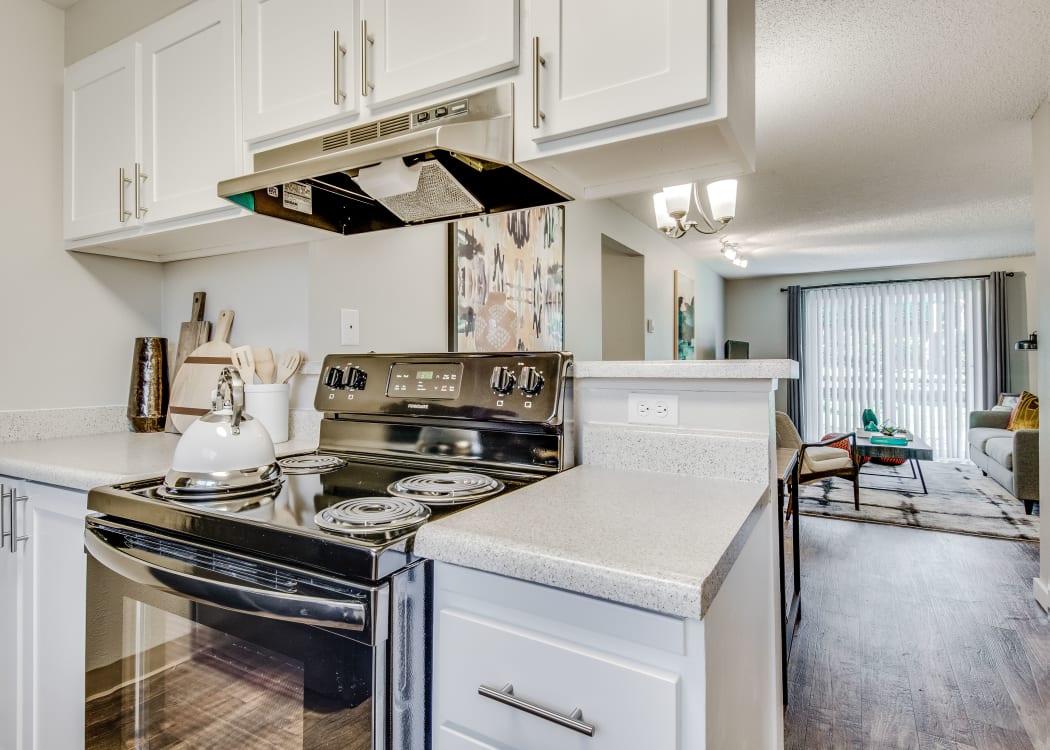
<point>224,451</point>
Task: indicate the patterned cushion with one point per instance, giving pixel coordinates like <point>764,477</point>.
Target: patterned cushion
<point>887,461</point>
<point>843,445</point>
<point>1026,414</point>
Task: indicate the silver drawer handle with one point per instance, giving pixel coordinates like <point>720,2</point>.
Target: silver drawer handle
<point>123,182</point>
<point>140,210</point>
<point>367,40</point>
<point>505,695</point>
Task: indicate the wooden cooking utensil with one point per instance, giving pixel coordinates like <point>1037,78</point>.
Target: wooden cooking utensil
<point>193,333</point>
<point>288,364</point>
<point>191,391</point>
<point>264,364</point>
<point>245,361</point>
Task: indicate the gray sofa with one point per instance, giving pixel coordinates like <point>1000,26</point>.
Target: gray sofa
<point>1010,457</point>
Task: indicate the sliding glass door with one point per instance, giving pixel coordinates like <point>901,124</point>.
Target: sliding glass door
<point>914,352</point>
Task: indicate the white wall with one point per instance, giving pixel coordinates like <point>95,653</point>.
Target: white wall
<point>67,321</point>
<point>756,309</point>
<point>1041,216</point>
<point>94,24</point>
<point>398,281</point>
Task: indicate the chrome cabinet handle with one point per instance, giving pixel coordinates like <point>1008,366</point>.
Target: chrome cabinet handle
<point>338,52</point>
<point>140,210</point>
<point>121,185</point>
<point>366,41</point>
<point>9,531</point>
<point>505,695</point>
<point>537,61</point>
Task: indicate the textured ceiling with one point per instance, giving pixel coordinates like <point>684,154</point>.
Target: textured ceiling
<point>887,133</point>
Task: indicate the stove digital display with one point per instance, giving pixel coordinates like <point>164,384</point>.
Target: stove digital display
<point>440,381</point>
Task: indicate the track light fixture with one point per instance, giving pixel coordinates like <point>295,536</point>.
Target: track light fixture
<point>731,252</point>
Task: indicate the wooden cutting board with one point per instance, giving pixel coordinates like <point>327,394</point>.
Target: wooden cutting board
<point>196,332</point>
<point>196,379</point>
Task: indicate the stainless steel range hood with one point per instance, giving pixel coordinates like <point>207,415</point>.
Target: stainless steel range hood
<point>438,163</point>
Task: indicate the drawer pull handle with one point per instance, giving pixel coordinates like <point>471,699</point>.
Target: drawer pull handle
<point>505,695</point>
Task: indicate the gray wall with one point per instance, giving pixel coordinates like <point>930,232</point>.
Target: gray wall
<point>756,309</point>
<point>68,320</point>
<point>623,303</point>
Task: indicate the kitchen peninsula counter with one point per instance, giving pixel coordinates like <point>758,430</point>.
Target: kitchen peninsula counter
<point>92,460</point>
<point>661,542</point>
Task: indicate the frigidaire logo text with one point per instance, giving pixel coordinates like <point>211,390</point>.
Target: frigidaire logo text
<point>418,406</point>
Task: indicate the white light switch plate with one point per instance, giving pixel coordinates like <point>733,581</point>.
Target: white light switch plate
<point>349,327</point>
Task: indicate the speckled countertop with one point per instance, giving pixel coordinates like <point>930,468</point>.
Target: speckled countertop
<point>662,542</point>
<point>92,460</point>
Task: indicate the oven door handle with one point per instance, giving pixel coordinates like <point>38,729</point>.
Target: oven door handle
<point>261,602</point>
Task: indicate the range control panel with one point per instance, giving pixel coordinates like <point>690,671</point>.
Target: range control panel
<point>518,387</point>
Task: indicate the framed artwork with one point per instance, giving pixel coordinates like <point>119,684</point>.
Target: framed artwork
<point>507,279</point>
<point>684,322</point>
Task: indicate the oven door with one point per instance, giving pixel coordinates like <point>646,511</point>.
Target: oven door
<point>188,646</point>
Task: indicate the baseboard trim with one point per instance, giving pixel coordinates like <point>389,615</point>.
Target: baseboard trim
<point>1041,589</point>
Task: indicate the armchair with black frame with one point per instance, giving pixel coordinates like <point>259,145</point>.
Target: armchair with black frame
<point>820,460</point>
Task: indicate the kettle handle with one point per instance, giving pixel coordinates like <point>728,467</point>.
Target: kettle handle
<point>230,395</point>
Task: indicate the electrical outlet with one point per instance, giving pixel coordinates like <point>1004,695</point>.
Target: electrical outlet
<point>349,327</point>
<point>652,408</point>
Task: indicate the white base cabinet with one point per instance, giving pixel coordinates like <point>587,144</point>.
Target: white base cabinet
<point>636,677</point>
<point>42,585</point>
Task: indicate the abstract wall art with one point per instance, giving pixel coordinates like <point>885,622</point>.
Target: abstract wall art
<point>507,274</point>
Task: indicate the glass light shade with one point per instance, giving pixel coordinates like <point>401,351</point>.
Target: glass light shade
<point>663,219</point>
<point>677,199</point>
<point>742,262</point>
<point>722,197</point>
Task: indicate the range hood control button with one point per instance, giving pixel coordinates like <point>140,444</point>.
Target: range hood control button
<point>422,116</point>
<point>530,381</point>
<point>440,111</point>
<point>355,379</point>
<point>334,377</point>
<point>502,381</point>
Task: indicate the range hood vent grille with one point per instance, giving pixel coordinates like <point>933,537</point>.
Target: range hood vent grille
<point>394,125</point>
<point>364,133</point>
<point>335,140</point>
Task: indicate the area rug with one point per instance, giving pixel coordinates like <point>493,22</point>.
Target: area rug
<point>961,500</point>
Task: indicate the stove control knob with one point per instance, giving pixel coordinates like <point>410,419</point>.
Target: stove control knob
<point>355,379</point>
<point>502,381</point>
<point>333,378</point>
<point>530,381</point>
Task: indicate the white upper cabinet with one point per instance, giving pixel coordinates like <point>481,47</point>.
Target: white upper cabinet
<point>605,65</point>
<point>101,135</point>
<point>300,63</point>
<point>190,98</point>
<point>415,48</point>
<point>151,123</point>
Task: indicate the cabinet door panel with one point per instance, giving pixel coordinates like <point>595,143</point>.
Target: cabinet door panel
<point>58,596</point>
<point>423,47</point>
<point>289,63</point>
<point>15,628</point>
<point>604,67</point>
<point>190,119</point>
<point>101,133</point>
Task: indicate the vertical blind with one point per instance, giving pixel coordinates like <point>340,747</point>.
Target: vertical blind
<point>914,352</point>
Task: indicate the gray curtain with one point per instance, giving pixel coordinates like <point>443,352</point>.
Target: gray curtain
<point>796,325</point>
<point>998,339</point>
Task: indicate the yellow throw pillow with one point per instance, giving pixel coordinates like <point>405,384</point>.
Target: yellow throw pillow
<point>1025,415</point>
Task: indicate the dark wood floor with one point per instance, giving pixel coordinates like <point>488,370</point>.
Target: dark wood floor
<point>917,639</point>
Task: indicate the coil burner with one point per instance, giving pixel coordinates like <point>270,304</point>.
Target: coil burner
<point>446,488</point>
<point>373,518</point>
<point>314,463</point>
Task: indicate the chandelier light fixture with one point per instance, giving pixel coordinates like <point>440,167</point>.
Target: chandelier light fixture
<point>731,252</point>
<point>672,208</point>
